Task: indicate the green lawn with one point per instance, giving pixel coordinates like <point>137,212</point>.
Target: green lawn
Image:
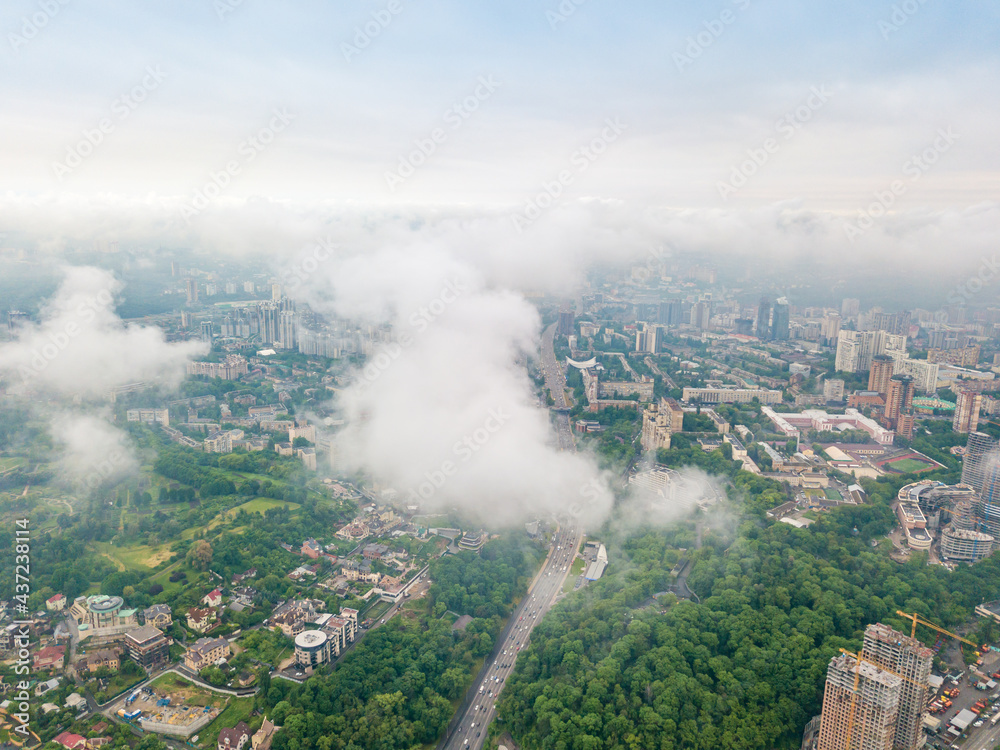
<point>135,556</point>
<point>833,494</point>
<point>10,462</point>
<point>906,465</point>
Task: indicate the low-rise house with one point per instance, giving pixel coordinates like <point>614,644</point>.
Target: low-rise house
<point>158,616</point>
<point>312,549</point>
<point>263,737</point>
<point>102,659</point>
<point>235,738</point>
<point>50,657</point>
<point>201,620</point>
<point>205,652</point>
<point>70,741</point>
<point>56,603</point>
<point>212,598</point>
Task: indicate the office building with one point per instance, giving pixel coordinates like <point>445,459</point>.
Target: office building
<point>980,450</point>
<point>909,659</point>
<point>191,288</point>
<point>701,315</point>
<point>881,372</point>
<point>896,323</point>
<point>206,331</point>
<point>731,395</point>
<point>850,308</point>
<point>764,319</point>
<point>862,720</point>
<point>780,319</point>
<point>966,417</point>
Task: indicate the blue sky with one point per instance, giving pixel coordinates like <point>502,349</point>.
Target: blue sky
<point>688,126</point>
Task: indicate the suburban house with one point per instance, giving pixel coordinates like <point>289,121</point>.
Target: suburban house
<point>50,656</point>
<point>212,598</point>
<point>103,659</point>
<point>56,603</point>
<point>158,616</point>
<point>201,620</point>
<point>235,738</point>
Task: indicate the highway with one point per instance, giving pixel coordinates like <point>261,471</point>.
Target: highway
<point>468,730</point>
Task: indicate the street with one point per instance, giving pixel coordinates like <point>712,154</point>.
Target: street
<point>479,708</point>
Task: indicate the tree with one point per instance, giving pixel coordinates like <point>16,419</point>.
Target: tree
<point>199,556</point>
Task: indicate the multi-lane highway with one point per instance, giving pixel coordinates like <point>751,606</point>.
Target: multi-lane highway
<point>479,708</point>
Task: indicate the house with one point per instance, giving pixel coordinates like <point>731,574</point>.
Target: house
<point>235,738</point>
<point>201,620</point>
<point>311,549</point>
<point>212,598</point>
<point>43,687</point>
<point>290,623</point>
<point>205,652</point>
<point>70,741</point>
<point>245,595</point>
<point>262,738</point>
<point>50,657</point>
<point>375,551</point>
<point>158,616</point>
<point>56,603</point>
<point>103,659</point>
<point>75,700</point>
<point>240,577</point>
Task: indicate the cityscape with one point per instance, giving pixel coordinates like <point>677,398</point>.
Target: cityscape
<point>556,376</point>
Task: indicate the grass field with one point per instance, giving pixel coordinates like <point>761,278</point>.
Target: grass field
<point>10,462</point>
<point>833,494</point>
<point>135,556</point>
<point>262,504</point>
<point>814,493</point>
<point>906,465</point>
<point>186,691</point>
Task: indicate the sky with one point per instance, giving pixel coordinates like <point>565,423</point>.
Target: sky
<point>483,105</point>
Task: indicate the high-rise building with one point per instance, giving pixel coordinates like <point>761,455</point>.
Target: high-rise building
<point>831,329</point>
<point>764,318</point>
<point>567,323</point>
<point>856,349</point>
<point>909,659</point>
<point>979,450</point>
<point>858,720</point>
<point>881,372</point>
<point>988,508</point>
<point>701,314</point>
<point>649,339</point>
<point>191,287</point>
<point>899,398</point>
<point>924,374</point>
<point>276,294</point>
<point>967,411</point>
<point>671,312</point>
<point>744,326</point>
<point>897,323</point>
<point>206,331</point>
<point>850,308</point>
<point>780,320</point>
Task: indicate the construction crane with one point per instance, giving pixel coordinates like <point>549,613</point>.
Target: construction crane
<point>858,658</point>
<point>917,619</point>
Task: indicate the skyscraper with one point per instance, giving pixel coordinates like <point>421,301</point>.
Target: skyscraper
<point>881,372</point>
<point>978,451</point>
<point>910,660</point>
<point>780,320</point>
<point>967,411</point>
<point>567,325</point>
<point>871,724</point>
<point>764,319</point>
<point>856,349</point>
<point>671,312</point>
<point>191,287</point>
<point>988,508</point>
<point>206,331</point>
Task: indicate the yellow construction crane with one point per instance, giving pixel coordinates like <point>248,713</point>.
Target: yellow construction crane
<point>916,618</point>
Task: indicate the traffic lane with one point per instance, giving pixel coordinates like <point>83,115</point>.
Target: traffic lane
<point>516,640</point>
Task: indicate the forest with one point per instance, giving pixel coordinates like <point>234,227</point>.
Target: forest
<point>613,667</point>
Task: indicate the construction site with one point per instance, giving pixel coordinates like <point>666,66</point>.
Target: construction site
<point>171,706</point>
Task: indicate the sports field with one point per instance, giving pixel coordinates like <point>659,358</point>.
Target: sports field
<point>907,465</point>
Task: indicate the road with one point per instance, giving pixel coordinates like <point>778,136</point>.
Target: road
<point>468,729</point>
